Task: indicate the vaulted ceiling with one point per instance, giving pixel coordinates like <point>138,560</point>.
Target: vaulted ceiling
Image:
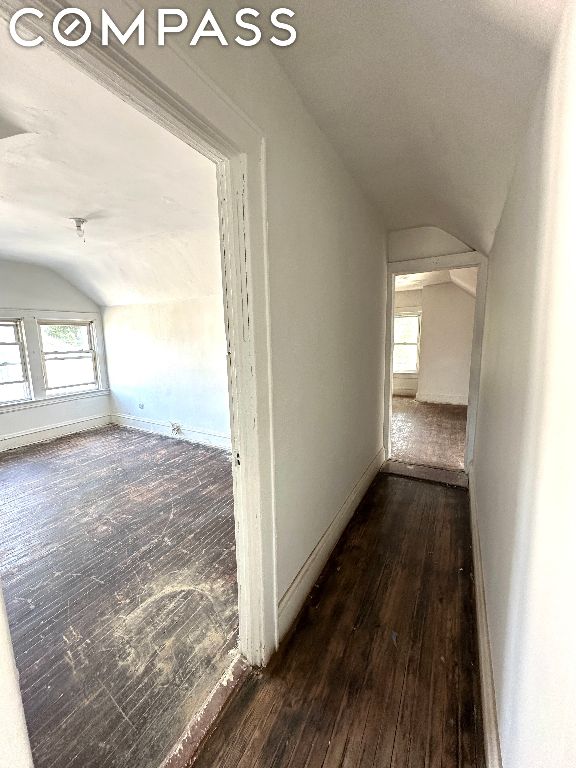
<point>69,148</point>
<point>426,100</point>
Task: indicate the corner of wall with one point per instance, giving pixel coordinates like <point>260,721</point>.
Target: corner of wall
<point>422,242</point>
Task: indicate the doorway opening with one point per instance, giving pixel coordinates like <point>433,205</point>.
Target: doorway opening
<point>120,358</point>
<point>433,355</point>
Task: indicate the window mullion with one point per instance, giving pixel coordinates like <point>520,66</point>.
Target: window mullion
<point>36,366</point>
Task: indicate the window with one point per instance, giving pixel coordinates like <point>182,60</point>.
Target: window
<point>69,357</point>
<point>406,336</point>
<point>14,382</point>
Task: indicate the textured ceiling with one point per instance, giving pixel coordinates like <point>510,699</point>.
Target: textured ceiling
<point>69,148</point>
<point>426,100</point>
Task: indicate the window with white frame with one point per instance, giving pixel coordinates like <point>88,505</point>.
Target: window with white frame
<point>406,340</point>
<point>14,378</point>
<point>68,357</point>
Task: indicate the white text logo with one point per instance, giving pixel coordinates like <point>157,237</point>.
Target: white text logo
<point>73,27</point>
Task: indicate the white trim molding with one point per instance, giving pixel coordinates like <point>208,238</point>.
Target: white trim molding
<point>43,434</point>
<point>215,439</point>
<point>432,264</point>
<point>489,710</point>
<point>424,397</point>
<point>24,405</point>
<point>296,594</point>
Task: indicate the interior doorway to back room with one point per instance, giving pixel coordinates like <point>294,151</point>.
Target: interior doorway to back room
<point>117,517</point>
<point>434,315</point>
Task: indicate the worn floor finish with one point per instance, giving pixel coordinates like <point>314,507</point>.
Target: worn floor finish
<point>118,567</point>
<point>382,668</point>
<point>432,434</point>
<point>456,477</point>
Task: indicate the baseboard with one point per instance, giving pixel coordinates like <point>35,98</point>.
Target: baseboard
<point>442,399</point>
<point>43,434</point>
<point>165,428</point>
<point>294,597</point>
<point>489,711</point>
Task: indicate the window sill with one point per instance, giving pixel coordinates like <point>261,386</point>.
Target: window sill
<point>25,404</point>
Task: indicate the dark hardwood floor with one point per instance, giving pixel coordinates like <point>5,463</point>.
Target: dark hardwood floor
<point>382,668</point>
<point>432,434</point>
<point>118,568</point>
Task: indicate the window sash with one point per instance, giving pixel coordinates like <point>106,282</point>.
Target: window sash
<point>416,344</point>
<point>75,354</point>
<point>16,325</point>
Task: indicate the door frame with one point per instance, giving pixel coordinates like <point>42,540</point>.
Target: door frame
<point>219,130</point>
<point>434,264</point>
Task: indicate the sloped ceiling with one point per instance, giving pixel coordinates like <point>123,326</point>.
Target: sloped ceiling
<point>68,148</point>
<point>8,128</point>
<point>426,100</point>
<point>417,281</point>
<point>464,277</point>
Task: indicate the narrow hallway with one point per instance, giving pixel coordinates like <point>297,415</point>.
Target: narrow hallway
<point>382,668</point>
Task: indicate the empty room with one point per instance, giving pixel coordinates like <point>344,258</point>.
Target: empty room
<point>117,528</point>
<point>433,330</point>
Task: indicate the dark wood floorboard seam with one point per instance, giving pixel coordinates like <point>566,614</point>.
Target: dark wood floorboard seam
<point>119,573</point>
<point>382,667</point>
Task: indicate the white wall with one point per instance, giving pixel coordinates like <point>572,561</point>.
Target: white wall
<point>445,344</point>
<point>326,262</point>
<point>466,278</point>
<point>406,383</point>
<point>408,299</point>
<point>25,287</point>
<point>523,471</point>
<point>447,327</point>
<point>171,360</point>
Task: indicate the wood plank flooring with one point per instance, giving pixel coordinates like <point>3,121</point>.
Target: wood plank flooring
<point>432,434</point>
<point>118,568</point>
<point>456,477</point>
<point>382,669</point>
